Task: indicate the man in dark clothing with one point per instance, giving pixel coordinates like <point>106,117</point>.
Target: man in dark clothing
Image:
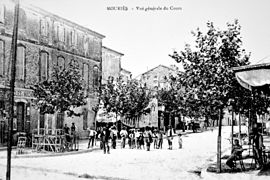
<point>236,153</point>
<point>258,147</point>
<point>105,137</point>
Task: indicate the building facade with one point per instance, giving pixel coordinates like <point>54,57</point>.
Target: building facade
<point>125,75</point>
<point>44,41</point>
<point>155,79</point>
<point>111,64</point>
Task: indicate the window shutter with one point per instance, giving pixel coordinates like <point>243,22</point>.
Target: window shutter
<point>20,63</point>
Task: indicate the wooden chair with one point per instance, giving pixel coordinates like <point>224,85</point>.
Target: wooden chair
<point>21,145</point>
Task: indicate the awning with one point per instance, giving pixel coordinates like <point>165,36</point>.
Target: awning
<point>103,116</point>
<point>253,75</point>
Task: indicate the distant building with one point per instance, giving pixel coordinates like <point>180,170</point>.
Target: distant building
<point>125,75</point>
<point>44,41</point>
<point>111,64</point>
<point>155,79</point>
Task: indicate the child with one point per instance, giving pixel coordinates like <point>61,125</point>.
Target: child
<point>180,141</point>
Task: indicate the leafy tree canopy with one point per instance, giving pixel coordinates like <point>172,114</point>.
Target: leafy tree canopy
<point>208,79</point>
<point>62,92</point>
<point>128,99</point>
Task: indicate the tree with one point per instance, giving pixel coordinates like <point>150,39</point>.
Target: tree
<point>62,92</point>
<point>208,78</point>
<point>127,99</point>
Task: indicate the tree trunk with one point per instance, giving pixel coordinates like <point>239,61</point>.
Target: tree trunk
<point>219,144</point>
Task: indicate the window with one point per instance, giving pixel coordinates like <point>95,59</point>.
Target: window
<point>61,62</point>
<point>72,37</point>
<point>43,66</point>
<point>85,75</point>
<point>59,120</point>
<point>85,115</point>
<point>2,59</point>
<point>43,27</point>
<point>20,64</point>
<point>61,33</point>
<point>95,77</point>
<point>2,13</point>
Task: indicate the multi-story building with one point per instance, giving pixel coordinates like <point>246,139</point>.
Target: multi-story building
<point>156,79</point>
<point>111,64</point>
<point>44,41</point>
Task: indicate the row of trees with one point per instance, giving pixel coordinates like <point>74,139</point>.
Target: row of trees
<point>206,85</point>
<point>65,90</point>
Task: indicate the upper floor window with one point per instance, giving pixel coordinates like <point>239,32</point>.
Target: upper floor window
<point>61,33</point>
<point>20,64</point>
<point>2,13</point>
<point>2,58</point>
<point>61,62</point>
<point>44,66</point>
<point>95,76</point>
<point>72,37</point>
<point>44,26</point>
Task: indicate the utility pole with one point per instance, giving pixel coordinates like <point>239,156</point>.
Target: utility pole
<point>12,87</point>
<point>232,125</point>
<point>219,143</point>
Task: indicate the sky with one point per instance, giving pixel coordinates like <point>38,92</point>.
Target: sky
<point>147,37</point>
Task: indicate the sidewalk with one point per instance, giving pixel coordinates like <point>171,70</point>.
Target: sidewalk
<point>30,153</point>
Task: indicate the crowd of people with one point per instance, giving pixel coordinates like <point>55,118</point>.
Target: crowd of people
<point>133,138</point>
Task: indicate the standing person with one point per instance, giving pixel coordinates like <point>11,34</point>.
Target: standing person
<point>258,147</point>
<point>123,134</point>
<point>180,141</point>
<point>155,139</point>
<point>113,136</point>
<point>74,133</point>
<point>148,138</point>
<point>105,138</point>
<point>131,139</point>
<point>160,139</point>
<point>137,135</point>
<point>141,141</point>
<point>92,134</point>
<point>170,136</point>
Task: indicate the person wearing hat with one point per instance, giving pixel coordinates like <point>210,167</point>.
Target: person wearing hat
<point>180,141</point>
<point>170,136</point>
<point>92,134</point>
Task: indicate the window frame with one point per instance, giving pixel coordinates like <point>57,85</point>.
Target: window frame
<point>40,66</point>
<point>22,76</point>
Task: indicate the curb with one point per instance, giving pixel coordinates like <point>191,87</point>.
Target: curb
<point>51,154</point>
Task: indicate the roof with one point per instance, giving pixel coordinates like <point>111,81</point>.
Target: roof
<point>39,10</point>
<point>122,69</point>
<point>121,54</point>
<point>156,68</point>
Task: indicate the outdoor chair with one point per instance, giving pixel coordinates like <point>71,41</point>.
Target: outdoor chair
<point>21,145</point>
<point>240,160</point>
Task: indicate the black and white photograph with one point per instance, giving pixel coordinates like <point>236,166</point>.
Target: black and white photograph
<point>134,89</point>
